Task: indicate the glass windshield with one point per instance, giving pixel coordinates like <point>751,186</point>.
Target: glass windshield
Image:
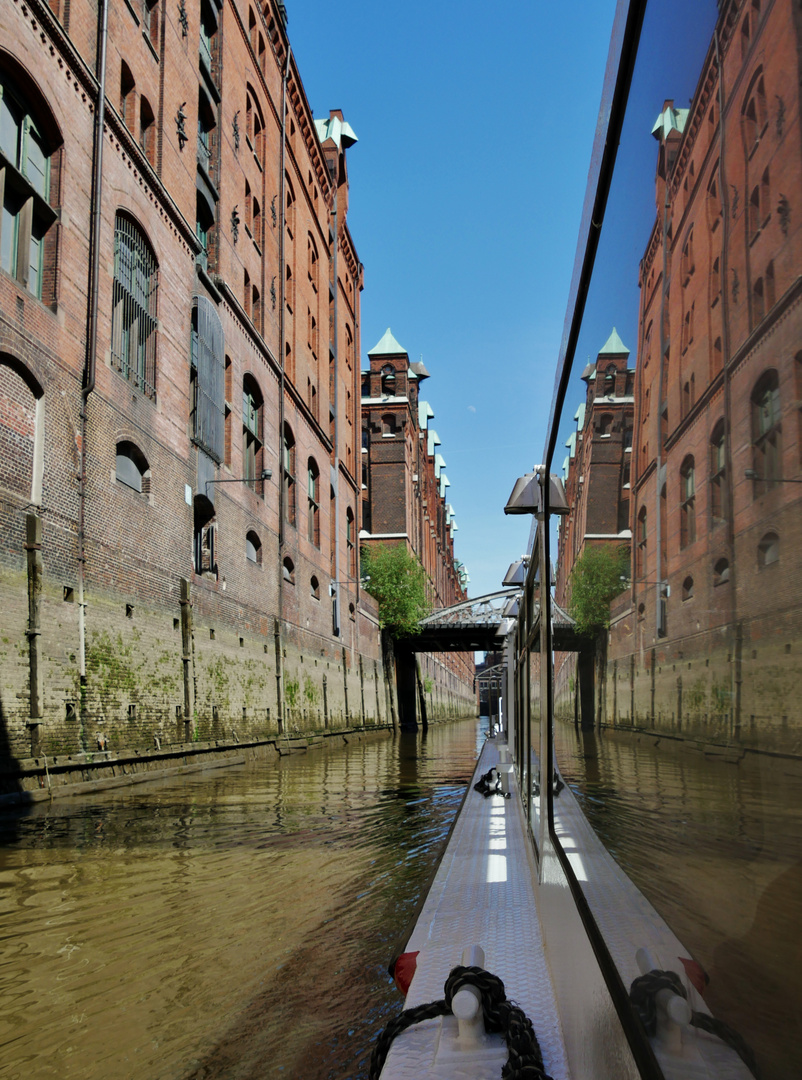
<point>677,715</point>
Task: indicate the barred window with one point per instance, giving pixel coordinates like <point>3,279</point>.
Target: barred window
<point>718,474</point>
<point>252,433</point>
<point>350,542</point>
<point>288,470</point>
<point>207,375</point>
<point>133,321</point>
<point>313,512</point>
<point>687,503</point>
<point>766,433</point>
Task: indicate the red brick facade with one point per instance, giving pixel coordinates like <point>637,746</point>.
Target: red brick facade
<point>227,339</point>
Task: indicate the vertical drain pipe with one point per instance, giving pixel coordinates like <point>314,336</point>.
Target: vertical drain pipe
<point>91,350</point>
<point>282,292</point>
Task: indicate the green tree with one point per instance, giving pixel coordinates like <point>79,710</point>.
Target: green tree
<point>598,576</point>
<point>398,582</point>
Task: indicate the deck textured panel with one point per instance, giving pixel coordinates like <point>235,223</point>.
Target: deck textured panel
<point>483,894</point>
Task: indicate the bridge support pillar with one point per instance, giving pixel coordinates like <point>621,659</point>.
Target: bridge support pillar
<point>585,665</point>
<point>407,688</point>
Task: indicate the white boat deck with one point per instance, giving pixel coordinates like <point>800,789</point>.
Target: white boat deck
<point>483,894</point>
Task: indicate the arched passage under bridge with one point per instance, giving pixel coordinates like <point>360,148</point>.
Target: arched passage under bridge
<point>473,626</point>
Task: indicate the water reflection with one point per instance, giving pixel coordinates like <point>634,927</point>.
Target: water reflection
<point>716,846</point>
<point>209,926</point>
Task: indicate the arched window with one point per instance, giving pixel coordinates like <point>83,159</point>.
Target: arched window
<point>289,207</point>
<point>151,24</point>
<point>721,572</point>
<point>687,503</point>
<point>132,467</point>
<point>388,424</point>
<point>288,570</point>
<point>312,261</point>
<point>718,475</point>
<point>688,264</point>
<point>254,125</point>
<point>388,381</point>
<point>253,548</point>
<point>21,430</point>
<point>713,200</point>
<point>28,141</point>
<point>314,588</point>
<point>204,229</point>
<point>768,550</point>
<point>207,132</point>
<point>766,433</point>
<point>288,474</point>
<point>133,319</point>
<point>755,114</point>
<point>758,302</point>
<point>313,503</point>
<point>208,37</point>
<point>127,95</point>
<point>687,589</point>
<point>147,130</point>
<point>204,547</point>
<point>350,542</point>
<point>605,423</point>
<point>252,410</point>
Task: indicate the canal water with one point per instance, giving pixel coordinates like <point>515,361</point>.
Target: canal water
<point>716,846</point>
<point>236,923</point>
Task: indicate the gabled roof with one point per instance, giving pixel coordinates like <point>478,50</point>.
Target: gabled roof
<point>420,370</point>
<point>388,346</point>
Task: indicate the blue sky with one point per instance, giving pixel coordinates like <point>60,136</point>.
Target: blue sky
<point>475,126</point>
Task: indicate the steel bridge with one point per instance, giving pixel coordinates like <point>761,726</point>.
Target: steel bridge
<point>474,625</point>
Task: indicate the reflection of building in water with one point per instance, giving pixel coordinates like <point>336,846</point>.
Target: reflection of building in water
<point>707,638</point>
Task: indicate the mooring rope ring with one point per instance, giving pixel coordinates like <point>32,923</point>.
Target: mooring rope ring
<point>643,995</point>
<point>503,1017</point>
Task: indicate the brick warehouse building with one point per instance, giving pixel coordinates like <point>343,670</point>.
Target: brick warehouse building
<point>179,334</point>
<point>404,488</point>
<point>707,641</point>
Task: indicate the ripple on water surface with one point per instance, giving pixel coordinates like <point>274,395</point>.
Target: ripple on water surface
<point>234,924</point>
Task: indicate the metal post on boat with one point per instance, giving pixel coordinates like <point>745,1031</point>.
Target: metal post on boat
<point>673,1012</point>
<point>467,1004</point>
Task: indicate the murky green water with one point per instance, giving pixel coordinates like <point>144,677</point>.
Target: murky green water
<point>235,924</point>
<point>716,846</point>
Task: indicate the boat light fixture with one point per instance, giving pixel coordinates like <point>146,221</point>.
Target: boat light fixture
<point>516,575</point>
<point>511,607</point>
<point>526,496</point>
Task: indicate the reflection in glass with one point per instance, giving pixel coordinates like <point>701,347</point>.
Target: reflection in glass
<point>685,744</point>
